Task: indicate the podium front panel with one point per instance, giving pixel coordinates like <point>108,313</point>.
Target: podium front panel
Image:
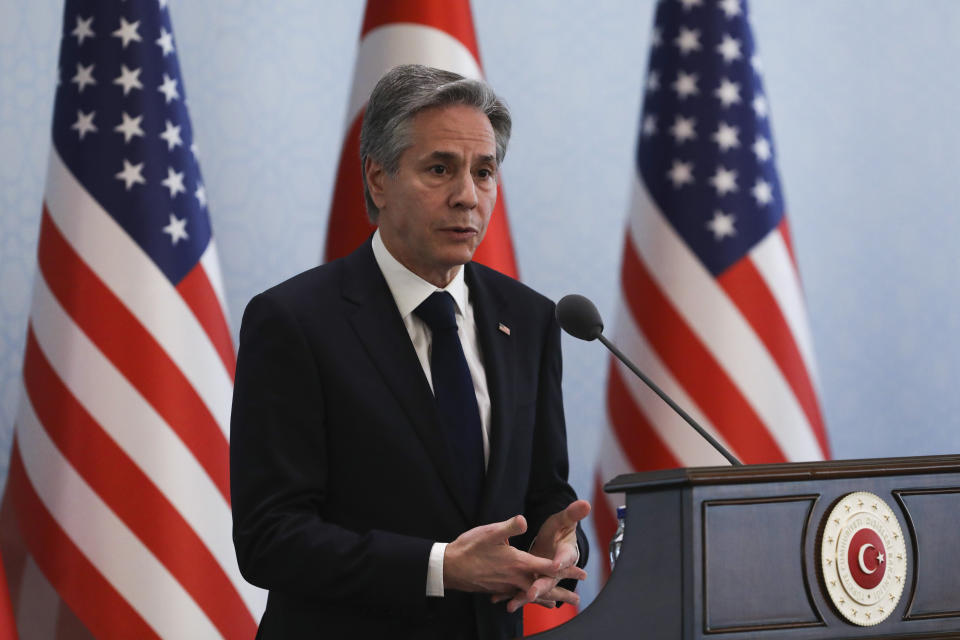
<point>734,553</point>
<point>934,519</point>
<point>756,542</point>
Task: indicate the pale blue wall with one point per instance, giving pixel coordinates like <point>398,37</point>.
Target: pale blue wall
<point>863,95</point>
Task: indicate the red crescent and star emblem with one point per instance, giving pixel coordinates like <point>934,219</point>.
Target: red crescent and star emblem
<point>866,559</point>
<point>863,557</point>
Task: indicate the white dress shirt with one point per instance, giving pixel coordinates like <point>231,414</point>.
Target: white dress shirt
<point>409,290</point>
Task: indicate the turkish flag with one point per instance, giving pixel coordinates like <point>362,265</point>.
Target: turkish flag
<point>436,33</point>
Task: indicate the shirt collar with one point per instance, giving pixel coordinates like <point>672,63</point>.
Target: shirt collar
<point>409,289</point>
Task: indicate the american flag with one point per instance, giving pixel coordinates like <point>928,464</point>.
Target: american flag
<point>118,488</point>
<point>712,306</point>
<point>436,33</point>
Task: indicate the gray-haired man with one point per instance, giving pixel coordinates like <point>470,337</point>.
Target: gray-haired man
<point>398,449</point>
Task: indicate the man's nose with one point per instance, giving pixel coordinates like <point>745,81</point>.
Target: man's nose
<point>464,194</point>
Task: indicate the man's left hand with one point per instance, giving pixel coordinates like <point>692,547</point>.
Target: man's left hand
<point>556,540</point>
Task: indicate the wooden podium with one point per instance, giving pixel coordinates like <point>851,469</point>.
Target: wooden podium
<point>739,552</point>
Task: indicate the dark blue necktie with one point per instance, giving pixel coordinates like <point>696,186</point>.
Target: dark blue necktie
<point>454,394</point>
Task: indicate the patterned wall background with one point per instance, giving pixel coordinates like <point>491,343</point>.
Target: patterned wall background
<point>862,95</point>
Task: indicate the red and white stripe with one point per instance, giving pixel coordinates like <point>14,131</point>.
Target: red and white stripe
<point>435,33</point>
<point>735,351</point>
<point>119,474</point>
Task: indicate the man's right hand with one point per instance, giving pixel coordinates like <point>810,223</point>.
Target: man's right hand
<point>482,560</point>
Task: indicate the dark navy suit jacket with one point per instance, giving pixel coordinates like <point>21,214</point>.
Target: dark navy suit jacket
<point>340,479</point>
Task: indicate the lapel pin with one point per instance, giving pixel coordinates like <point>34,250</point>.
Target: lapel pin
<point>504,329</point>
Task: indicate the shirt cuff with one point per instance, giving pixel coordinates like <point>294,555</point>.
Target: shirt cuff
<point>435,570</point>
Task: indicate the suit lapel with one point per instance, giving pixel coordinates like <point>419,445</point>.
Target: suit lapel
<point>378,324</point>
<point>499,363</point>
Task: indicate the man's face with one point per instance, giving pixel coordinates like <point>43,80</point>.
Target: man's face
<point>434,211</point>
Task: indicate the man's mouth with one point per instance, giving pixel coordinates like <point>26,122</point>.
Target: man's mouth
<point>460,231</point>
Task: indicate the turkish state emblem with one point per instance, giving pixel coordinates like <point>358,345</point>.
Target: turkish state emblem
<point>864,558</point>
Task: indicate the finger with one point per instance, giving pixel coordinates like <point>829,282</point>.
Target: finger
<point>518,526</point>
<point>548,598</point>
<point>531,594</point>
<point>501,531</point>
<point>528,564</point>
<point>518,601</point>
<point>545,585</point>
<point>549,604</point>
<point>563,523</point>
<point>544,592</point>
<point>548,569</point>
<point>559,594</point>
<point>570,573</point>
<point>540,586</point>
<point>575,512</point>
<point>499,597</point>
<point>569,517</point>
<point>573,573</point>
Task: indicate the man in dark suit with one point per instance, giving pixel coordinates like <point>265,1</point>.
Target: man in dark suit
<point>398,449</point>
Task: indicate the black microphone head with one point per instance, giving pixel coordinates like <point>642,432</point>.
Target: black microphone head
<point>579,317</point>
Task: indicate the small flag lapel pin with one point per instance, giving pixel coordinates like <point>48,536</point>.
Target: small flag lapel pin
<point>504,329</point>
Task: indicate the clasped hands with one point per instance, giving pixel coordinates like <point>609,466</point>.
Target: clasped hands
<point>482,560</point>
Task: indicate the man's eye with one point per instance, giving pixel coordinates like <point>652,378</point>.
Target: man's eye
<point>485,173</point>
<point>438,169</point>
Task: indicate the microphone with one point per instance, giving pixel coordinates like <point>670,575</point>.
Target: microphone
<point>580,318</point>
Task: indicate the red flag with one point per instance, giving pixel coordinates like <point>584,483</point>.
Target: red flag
<point>712,307</point>
<point>116,519</point>
<point>436,33</point>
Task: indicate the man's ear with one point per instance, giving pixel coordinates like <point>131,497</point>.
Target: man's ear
<point>375,176</point>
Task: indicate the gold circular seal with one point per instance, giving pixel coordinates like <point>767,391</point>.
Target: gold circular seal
<point>864,558</point>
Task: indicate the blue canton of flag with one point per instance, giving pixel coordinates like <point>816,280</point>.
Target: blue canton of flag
<point>121,126</point>
<point>706,150</point>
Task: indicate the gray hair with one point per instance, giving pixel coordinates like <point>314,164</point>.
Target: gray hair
<point>404,92</point>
